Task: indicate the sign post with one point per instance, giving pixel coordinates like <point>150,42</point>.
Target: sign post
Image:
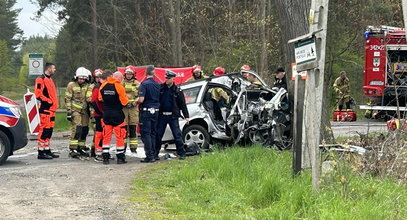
<point>305,54</point>
<point>310,55</point>
<point>36,65</point>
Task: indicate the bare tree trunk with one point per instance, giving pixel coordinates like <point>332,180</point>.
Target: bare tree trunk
<point>231,6</point>
<point>326,134</point>
<point>115,31</point>
<point>174,22</point>
<point>178,34</point>
<point>94,35</point>
<point>292,17</point>
<point>262,30</point>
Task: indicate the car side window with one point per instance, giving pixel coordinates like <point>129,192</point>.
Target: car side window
<point>191,94</point>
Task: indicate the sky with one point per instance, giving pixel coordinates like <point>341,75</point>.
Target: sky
<point>48,24</point>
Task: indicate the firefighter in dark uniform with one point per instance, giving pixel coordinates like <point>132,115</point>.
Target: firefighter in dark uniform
<point>172,101</point>
<point>149,100</point>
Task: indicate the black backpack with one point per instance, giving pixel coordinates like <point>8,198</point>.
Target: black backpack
<point>192,149</point>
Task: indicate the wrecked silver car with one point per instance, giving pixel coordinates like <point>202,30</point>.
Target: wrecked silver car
<point>245,113</point>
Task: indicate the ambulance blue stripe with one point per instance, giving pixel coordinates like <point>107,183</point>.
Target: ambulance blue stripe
<point>5,111</point>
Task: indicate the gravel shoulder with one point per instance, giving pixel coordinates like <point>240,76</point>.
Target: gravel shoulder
<point>65,188</point>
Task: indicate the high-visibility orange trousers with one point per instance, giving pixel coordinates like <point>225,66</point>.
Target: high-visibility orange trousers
<point>47,123</point>
<point>98,138</point>
<point>120,134</point>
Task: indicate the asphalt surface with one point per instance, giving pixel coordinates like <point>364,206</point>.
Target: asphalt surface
<point>347,129</point>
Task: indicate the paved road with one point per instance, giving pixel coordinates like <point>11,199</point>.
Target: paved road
<point>346,129</point>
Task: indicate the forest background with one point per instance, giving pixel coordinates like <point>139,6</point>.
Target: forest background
<point>112,33</point>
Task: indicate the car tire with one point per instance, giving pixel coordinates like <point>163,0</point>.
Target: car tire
<point>197,134</point>
<point>5,147</point>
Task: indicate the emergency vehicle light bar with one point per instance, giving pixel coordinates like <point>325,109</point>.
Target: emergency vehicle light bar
<point>382,29</point>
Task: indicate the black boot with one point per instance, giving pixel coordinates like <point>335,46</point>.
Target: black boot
<point>106,158</point>
<point>92,152</point>
<point>74,154</point>
<point>43,156</point>
<point>52,154</point>
<point>121,158</point>
<point>81,151</point>
<point>348,105</point>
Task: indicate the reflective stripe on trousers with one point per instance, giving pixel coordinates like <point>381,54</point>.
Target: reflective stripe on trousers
<point>120,133</point>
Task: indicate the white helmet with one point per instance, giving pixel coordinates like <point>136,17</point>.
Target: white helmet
<point>82,72</point>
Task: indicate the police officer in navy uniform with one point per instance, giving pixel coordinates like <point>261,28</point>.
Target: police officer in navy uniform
<point>172,101</point>
<point>149,99</point>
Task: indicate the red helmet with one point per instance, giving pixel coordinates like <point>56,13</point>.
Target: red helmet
<point>130,69</point>
<point>219,71</point>
<point>196,68</point>
<point>97,72</point>
<point>245,67</point>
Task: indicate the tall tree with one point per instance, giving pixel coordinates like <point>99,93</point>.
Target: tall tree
<point>94,35</point>
<point>6,70</point>
<point>174,23</point>
<point>9,30</point>
<point>263,40</point>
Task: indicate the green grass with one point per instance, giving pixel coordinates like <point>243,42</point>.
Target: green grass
<point>61,124</point>
<point>257,183</point>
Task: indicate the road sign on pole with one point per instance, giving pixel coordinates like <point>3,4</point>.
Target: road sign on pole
<point>305,54</point>
<point>36,64</point>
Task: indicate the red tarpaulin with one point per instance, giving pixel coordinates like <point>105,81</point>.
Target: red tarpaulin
<point>183,73</point>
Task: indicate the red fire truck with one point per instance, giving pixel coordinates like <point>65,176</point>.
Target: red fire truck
<point>385,74</point>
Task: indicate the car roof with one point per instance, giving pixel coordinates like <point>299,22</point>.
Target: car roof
<point>214,79</point>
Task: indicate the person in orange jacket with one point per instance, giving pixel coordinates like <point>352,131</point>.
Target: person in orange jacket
<point>113,96</point>
<point>46,93</point>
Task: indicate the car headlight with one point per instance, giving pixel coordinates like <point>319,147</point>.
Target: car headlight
<point>16,111</point>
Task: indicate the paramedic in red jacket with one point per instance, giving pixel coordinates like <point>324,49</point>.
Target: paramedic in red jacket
<point>97,114</point>
<point>113,96</point>
<point>46,93</point>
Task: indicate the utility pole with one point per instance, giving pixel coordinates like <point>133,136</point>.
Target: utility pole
<point>310,56</point>
<point>314,87</point>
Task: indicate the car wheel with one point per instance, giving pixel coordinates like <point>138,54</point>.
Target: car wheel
<point>196,134</point>
<point>5,147</point>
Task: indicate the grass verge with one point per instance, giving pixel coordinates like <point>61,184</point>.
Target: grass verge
<point>256,183</point>
<point>61,124</point>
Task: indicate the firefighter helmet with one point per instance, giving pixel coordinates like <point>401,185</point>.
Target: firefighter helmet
<point>97,72</point>
<point>196,68</point>
<point>219,71</point>
<point>129,68</point>
<point>245,67</point>
<point>82,72</point>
